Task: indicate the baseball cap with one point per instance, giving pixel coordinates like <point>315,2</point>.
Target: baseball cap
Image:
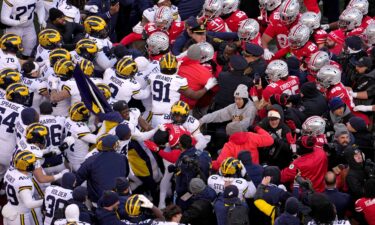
<point>254,49</point>
<point>230,194</point>
<point>362,62</point>
<point>273,114</point>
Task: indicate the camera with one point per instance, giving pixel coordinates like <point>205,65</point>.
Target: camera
<point>370,168</point>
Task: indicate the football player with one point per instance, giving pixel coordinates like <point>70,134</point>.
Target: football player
<point>280,81</point>
<point>19,16</point>
<point>106,91</point>
<point>37,87</point>
<point>369,37</point>
<point>8,77</point>
<point>57,197</point>
<point>211,16</point>
<point>317,61</point>
<point>76,126</point>
<point>362,5</point>
<point>71,12</point>
<point>269,11</point>
<point>350,22</point>
<point>179,115</point>
<point>88,69</point>
<point>19,187</point>
<point>64,92</point>
<point>97,30</point>
<point>287,16</point>
<point>312,21</point>
<point>16,96</point>
<point>48,40</point>
<point>47,69</point>
<point>85,49</point>
<point>231,173</point>
<point>248,32</point>
<point>10,45</point>
<point>122,82</point>
<point>315,126</point>
<point>167,86</point>
<point>232,15</point>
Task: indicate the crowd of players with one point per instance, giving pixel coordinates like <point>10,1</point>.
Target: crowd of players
<point>289,130</point>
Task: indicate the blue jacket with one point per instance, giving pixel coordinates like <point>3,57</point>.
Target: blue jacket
<point>341,201</point>
<point>287,219</point>
<point>221,210</point>
<point>121,207</point>
<point>100,171</point>
<point>187,8</point>
<point>105,217</point>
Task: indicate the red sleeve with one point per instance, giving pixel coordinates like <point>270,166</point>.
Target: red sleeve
<point>312,6</point>
<point>270,31</point>
<point>290,139</point>
<point>262,138</point>
<point>281,53</point>
<point>360,205</point>
<point>225,153</point>
<point>171,156</point>
<point>268,92</point>
<point>130,38</point>
<point>288,174</point>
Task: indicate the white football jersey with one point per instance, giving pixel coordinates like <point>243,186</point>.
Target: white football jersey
<point>10,112</point>
<point>216,182</point>
<point>150,12</point>
<point>121,89</point>
<point>96,80</point>
<point>9,61</point>
<point>22,9</point>
<point>55,125</point>
<point>101,43</point>
<point>15,182</point>
<point>20,130</point>
<point>75,57</point>
<point>2,93</point>
<point>41,54</point>
<point>165,91</point>
<point>191,124</point>
<point>64,222</point>
<point>78,151</point>
<point>62,107</point>
<point>55,197</point>
<point>71,12</point>
<point>46,71</point>
<point>36,87</point>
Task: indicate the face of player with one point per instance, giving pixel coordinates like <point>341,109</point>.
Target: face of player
<point>339,111</point>
<point>178,119</point>
<point>239,102</point>
<point>199,37</point>
<point>60,21</point>
<point>208,13</point>
<point>343,139</point>
<point>361,69</point>
<point>228,52</point>
<point>330,43</point>
<point>125,114</point>
<point>274,122</point>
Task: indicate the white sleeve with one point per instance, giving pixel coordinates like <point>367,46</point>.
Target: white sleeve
<point>142,136</point>
<point>202,140</point>
<point>143,93</point>
<point>40,11</point>
<point>250,191</point>
<point>77,18</point>
<point>27,198</point>
<point>89,138</point>
<point>103,61</point>
<point>6,12</point>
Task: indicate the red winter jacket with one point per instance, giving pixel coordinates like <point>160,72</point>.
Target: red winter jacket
<point>313,166</point>
<point>244,141</point>
<point>196,75</point>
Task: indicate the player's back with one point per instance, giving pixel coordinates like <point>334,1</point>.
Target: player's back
<point>9,61</point>
<point>62,107</point>
<point>55,126</point>
<point>24,9</point>
<point>41,54</point>
<point>36,87</point>
<point>289,86</point>
<point>10,112</point>
<point>165,91</point>
<point>55,198</point>
<point>77,151</point>
<point>15,182</point>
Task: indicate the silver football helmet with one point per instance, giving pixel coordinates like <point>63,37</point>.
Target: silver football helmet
<point>269,5</point>
<point>163,17</point>
<point>350,18</point>
<point>248,30</point>
<point>276,70</point>
<point>314,126</point>
<point>318,60</point>
<point>157,42</point>
<point>289,11</point>
<point>298,36</point>
<point>230,6</point>
<point>329,75</point>
<point>207,51</point>
<point>214,6</point>
<point>370,34</point>
<point>311,20</point>
<point>362,5</point>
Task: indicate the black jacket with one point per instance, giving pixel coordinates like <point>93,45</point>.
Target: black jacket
<point>71,33</point>
<point>228,82</point>
<point>364,82</point>
<point>356,176</point>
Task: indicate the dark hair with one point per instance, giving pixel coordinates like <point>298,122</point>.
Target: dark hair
<point>370,188</point>
<point>161,137</point>
<point>322,210</point>
<point>27,67</point>
<point>186,141</point>
<point>45,108</point>
<point>171,211</point>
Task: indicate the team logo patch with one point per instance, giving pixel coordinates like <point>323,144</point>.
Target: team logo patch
<point>291,166</point>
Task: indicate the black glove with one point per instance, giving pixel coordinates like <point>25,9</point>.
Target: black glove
<point>172,168</point>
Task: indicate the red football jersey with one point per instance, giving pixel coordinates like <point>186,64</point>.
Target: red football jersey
<point>320,36</point>
<point>174,31</point>
<point>320,140</point>
<point>366,21</point>
<point>175,132</point>
<point>277,29</point>
<point>289,86</point>
<point>367,207</point>
<point>340,91</point>
<point>355,32</point>
<point>304,53</point>
<point>233,21</point>
<point>217,25</point>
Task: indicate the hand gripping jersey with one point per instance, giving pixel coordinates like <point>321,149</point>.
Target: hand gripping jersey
<point>121,89</point>
<point>36,87</point>
<point>234,20</point>
<point>174,31</point>
<point>55,198</point>
<point>15,182</point>
<point>76,152</point>
<point>289,86</point>
<point>62,107</point>
<point>165,91</point>
<point>217,182</point>
<point>9,61</point>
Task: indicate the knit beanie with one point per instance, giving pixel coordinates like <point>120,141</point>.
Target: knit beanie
<point>72,213</point>
<point>335,103</point>
<point>122,130</point>
<point>108,198</point>
<point>241,91</point>
<point>55,13</point>
<point>340,129</point>
<point>196,185</point>
<point>233,127</point>
<point>337,36</point>
<point>237,62</point>
<point>194,52</point>
<point>68,180</point>
<point>80,194</point>
<point>122,183</point>
<point>292,205</point>
<point>29,116</point>
<point>309,90</point>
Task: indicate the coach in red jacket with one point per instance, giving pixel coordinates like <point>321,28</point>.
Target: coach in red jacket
<point>196,74</point>
<point>244,141</point>
<point>312,163</point>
